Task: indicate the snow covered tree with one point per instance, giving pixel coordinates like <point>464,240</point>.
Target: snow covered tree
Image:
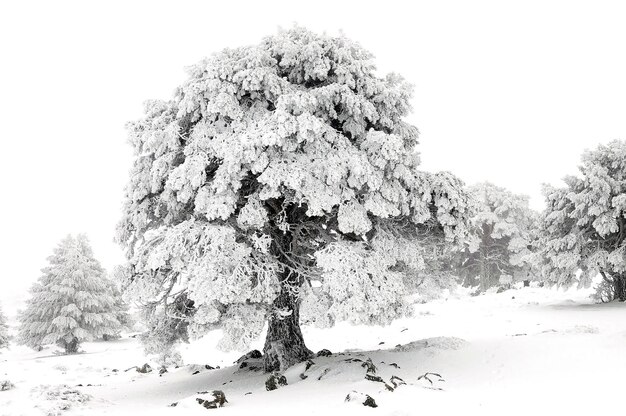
<point>505,229</point>
<point>282,173</point>
<point>120,309</point>
<point>4,330</point>
<point>71,302</point>
<point>585,223</point>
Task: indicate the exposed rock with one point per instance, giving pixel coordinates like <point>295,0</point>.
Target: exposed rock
<point>219,398</point>
<point>254,354</point>
<point>396,381</point>
<point>369,366</point>
<point>324,353</point>
<point>378,379</point>
<point>433,380</point>
<point>162,371</point>
<point>364,399</point>
<point>309,364</point>
<point>371,377</point>
<point>326,371</point>
<point>274,381</point>
<point>251,361</point>
<point>369,401</point>
<point>174,404</point>
<point>144,368</point>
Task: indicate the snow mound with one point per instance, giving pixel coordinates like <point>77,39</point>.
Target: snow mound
<point>433,344</point>
<point>583,329</point>
<point>56,399</point>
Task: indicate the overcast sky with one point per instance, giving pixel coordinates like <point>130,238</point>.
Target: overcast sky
<point>510,92</point>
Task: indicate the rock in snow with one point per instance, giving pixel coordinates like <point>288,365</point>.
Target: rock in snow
<point>364,399</point>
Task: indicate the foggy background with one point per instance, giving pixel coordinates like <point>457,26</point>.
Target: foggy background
<point>507,93</point>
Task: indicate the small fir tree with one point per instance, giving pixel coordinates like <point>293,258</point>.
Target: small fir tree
<point>71,302</point>
<point>120,310</point>
<point>4,330</point>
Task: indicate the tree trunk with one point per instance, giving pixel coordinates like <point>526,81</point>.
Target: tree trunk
<point>71,347</point>
<point>619,287</point>
<point>284,344</point>
<point>483,276</point>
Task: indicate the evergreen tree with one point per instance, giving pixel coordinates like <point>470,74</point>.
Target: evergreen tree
<point>120,310</point>
<point>70,303</point>
<point>585,224</point>
<point>505,229</point>
<point>4,330</point>
<point>282,173</point>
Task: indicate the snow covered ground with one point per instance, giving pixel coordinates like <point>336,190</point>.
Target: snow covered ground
<point>523,351</point>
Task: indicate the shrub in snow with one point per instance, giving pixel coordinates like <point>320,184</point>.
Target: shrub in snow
<point>4,330</point>
<point>585,224</point>
<point>6,385</point>
<point>280,172</point>
<point>56,399</point>
<point>503,230</point>
<point>70,303</point>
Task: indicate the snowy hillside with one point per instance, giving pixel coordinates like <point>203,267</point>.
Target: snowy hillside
<point>524,351</point>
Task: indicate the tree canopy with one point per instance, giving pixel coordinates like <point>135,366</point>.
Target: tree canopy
<point>585,223</point>
<point>278,171</point>
<point>505,229</point>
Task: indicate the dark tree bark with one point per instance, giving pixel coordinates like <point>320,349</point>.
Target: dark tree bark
<point>619,288</point>
<point>71,347</point>
<point>284,344</point>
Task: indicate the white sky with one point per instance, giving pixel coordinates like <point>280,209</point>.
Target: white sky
<point>510,92</point>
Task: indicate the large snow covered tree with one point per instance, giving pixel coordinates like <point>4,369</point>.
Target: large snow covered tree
<point>279,173</point>
<point>4,330</point>
<point>585,223</point>
<point>71,302</point>
<point>505,229</point>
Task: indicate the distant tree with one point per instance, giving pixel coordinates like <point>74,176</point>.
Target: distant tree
<point>70,303</point>
<point>4,330</point>
<point>585,224</point>
<point>281,171</point>
<point>505,229</point>
<point>120,310</point>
